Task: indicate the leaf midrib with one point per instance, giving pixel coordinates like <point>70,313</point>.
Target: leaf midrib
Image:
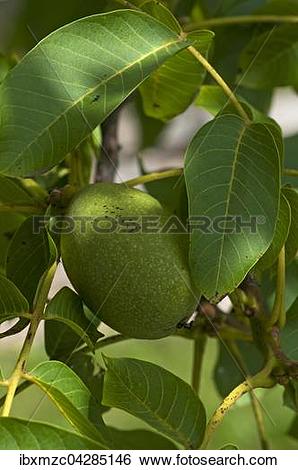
<point>235,161</point>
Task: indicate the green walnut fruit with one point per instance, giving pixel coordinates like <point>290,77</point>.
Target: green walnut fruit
<point>136,282</point>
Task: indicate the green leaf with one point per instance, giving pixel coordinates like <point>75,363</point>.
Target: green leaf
<point>9,224</point>
<point>213,99</point>
<point>274,55</point>
<point>171,193</point>
<point>291,395</point>
<point>72,81</point>
<point>12,303</point>
<point>228,44</point>
<point>159,11</point>
<point>90,372</point>
<point>279,7</point>
<point>44,18</point>
<point>156,396</point>
<point>140,440</point>
<point>293,431</point>
<point>72,398</point>
<point>280,236</point>
<point>17,434</point>
<point>232,173</point>
<point>289,334</point>
<point>67,307</point>
<point>60,341</point>
<point>259,99</point>
<point>30,253</point>
<point>173,87</point>
<point>292,241</point>
<point>227,374</point>
<point>291,160</point>
<point>12,191</point>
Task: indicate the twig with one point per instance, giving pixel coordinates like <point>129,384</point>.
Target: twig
<point>290,172</point>
<point>278,316</point>
<point>220,81</point>
<point>20,389</point>
<point>19,369</point>
<point>244,19</point>
<point>260,380</point>
<point>257,410</point>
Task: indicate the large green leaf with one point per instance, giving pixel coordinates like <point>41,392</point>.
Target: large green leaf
<point>67,307</point>
<point>173,87</point>
<point>156,396</point>
<point>72,80</point>
<point>30,253</point>
<point>280,236</point>
<point>72,398</point>
<point>232,173</point>
<point>289,335</point>
<point>17,434</point>
<point>140,439</point>
<point>292,241</point>
<point>275,58</point>
<point>12,303</point>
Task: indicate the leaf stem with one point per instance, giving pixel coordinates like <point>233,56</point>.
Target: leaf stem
<point>256,407</point>
<point>198,356</point>
<point>243,19</point>
<point>19,369</point>
<point>260,380</point>
<point>278,316</point>
<point>23,386</point>
<point>258,413</point>
<point>220,81</point>
<point>154,177</point>
<point>290,172</point>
